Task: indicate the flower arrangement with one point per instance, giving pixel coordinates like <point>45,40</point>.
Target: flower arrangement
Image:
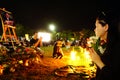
<point>97,44</point>
<point>22,56</point>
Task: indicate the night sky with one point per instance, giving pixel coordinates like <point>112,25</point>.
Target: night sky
<point>65,14</point>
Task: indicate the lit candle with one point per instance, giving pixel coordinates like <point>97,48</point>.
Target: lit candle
<point>26,62</point>
<point>1,69</point>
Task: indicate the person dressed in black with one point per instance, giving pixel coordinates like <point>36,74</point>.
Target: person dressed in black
<point>105,53</point>
<point>34,39</point>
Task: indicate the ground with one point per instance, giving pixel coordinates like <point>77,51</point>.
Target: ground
<point>42,70</point>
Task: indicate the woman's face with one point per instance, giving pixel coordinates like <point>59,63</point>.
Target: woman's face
<point>99,29</point>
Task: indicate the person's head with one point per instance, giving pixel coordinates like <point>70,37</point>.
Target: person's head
<point>35,36</point>
<point>101,26</point>
<point>107,25</point>
<point>7,15</point>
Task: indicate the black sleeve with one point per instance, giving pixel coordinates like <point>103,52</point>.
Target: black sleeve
<point>105,74</point>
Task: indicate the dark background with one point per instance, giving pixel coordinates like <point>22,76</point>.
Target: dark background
<point>65,14</point>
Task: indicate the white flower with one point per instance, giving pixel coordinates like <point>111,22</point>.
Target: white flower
<point>101,49</point>
<point>92,40</point>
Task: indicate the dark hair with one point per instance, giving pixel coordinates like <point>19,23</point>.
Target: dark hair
<point>102,18</point>
<point>113,21</point>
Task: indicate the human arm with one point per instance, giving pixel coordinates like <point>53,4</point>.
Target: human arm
<point>96,58</point>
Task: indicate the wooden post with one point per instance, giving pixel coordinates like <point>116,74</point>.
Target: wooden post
<point>8,30</point>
